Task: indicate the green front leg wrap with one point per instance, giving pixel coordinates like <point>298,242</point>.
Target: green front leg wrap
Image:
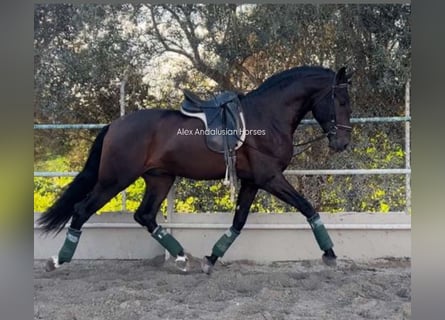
<point>69,246</point>
<point>167,241</point>
<point>320,232</point>
<point>225,242</point>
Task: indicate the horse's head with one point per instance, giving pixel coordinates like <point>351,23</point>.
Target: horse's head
<point>332,111</point>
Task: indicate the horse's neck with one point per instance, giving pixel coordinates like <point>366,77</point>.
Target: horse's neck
<point>299,116</point>
<point>310,89</point>
<point>285,108</point>
<point>288,107</point>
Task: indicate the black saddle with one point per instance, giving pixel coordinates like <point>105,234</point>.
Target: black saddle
<point>222,117</point>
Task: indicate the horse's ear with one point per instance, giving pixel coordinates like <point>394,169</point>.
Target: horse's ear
<point>340,77</point>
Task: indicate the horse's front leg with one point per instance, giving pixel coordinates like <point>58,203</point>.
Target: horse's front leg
<point>282,189</point>
<point>246,196</point>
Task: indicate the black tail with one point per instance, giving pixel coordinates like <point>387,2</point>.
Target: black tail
<point>56,217</point>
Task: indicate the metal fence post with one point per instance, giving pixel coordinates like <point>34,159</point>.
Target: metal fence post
<point>407,149</point>
<point>122,113</point>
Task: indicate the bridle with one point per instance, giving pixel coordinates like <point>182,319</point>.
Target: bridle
<point>334,126</point>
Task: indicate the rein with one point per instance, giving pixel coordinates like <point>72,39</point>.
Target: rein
<point>320,137</point>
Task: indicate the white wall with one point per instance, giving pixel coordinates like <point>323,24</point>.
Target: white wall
<point>266,237</point>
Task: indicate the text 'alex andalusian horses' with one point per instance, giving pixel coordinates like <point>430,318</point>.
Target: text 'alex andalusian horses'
<point>159,145</point>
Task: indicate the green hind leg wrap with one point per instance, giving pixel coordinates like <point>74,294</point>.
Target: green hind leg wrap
<point>66,253</point>
<point>320,232</point>
<point>224,242</point>
<point>167,241</point>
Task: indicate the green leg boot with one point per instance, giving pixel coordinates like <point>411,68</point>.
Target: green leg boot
<point>320,233</point>
<point>221,246</point>
<point>168,241</point>
<point>66,253</point>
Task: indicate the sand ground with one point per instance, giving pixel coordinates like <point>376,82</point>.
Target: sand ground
<point>241,290</point>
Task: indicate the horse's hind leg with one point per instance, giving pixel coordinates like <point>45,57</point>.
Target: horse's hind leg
<point>157,187</point>
<point>98,197</point>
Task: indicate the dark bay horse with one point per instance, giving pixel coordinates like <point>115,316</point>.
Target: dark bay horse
<point>146,144</point>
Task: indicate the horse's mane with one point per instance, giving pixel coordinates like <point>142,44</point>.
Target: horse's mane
<point>286,77</point>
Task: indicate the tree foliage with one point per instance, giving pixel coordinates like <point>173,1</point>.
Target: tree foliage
<point>84,52</point>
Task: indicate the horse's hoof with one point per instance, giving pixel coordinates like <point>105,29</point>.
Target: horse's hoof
<point>181,263</point>
<point>52,264</point>
<point>329,260</point>
<point>206,266</point>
